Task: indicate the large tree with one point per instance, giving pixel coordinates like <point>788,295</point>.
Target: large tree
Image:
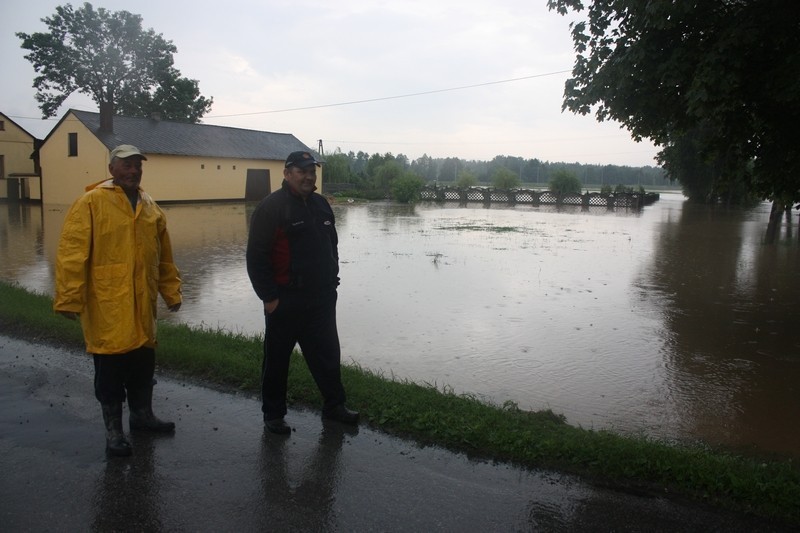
<point>424,166</point>
<point>108,56</point>
<point>337,168</point>
<point>502,178</point>
<point>719,75</point>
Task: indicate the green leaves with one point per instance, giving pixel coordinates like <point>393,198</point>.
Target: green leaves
<point>406,187</point>
<point>108,56</point>
<point>722,72</point>
<point>503,178</point>
<point>565,182</point>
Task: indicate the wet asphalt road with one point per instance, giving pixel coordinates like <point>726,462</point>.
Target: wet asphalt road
<point>221,471</point>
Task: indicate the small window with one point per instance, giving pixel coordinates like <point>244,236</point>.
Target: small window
<point>234,167</point>
<point>2,125</point>
<point>202,166</point>
<point>218,167</point>
<point>73,145</point>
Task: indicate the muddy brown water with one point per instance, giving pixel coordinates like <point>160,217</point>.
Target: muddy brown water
<point>674,322</point>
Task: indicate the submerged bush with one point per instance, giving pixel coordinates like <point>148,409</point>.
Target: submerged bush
<point>406,188</point>
<point>565,182</point>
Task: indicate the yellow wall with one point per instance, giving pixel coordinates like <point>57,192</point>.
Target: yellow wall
<point>65,178</point>
<point>165,177</point>
<point>16,147</point>
<point>185,178</point>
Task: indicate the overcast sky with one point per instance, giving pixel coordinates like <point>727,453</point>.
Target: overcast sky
<point>449,78</point>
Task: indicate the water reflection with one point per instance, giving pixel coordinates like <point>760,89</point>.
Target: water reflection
<point>22,245</point>
<point>305,501</point>
<point>728,306</point>
<point>673,321</point>
<point>127,495</point>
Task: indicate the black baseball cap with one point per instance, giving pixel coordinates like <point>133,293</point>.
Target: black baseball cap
<point>301,159</point>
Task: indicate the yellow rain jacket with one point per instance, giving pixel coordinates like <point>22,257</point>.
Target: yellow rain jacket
<point>111,265</point>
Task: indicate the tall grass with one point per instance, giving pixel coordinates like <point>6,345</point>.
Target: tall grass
<point>437,416</point>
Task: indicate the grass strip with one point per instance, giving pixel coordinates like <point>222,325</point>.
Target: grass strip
<point>437,416</point>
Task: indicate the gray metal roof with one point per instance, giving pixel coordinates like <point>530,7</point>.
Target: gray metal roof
<point>179,138</point>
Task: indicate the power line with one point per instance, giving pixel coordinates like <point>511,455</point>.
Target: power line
<point>354,102</point>
<point>410,95</point>
<point>484,142</point>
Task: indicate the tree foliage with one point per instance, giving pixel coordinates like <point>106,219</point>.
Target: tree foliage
<point>377,160</point>
<point>337,168</point>
<point>383,175</point>
<point>449,168</point>
<point>175,98</point>
<point>466,178</point>
<point>406,188</point>
<point>108,56</point>
<point>565,182</point>
<point>425,167</point>
<point>718,75</point>
<point>502,178</point>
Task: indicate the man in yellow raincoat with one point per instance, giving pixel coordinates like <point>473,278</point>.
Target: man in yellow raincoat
<point>114,258</point>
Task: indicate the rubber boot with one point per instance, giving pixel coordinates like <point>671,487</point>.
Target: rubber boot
<point>116,443</point>
<point>142,418</point>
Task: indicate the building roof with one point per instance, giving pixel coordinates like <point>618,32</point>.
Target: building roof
<point>166,137</point>
<point>7,119</point>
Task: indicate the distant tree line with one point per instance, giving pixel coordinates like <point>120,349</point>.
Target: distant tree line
<point>378,172</point>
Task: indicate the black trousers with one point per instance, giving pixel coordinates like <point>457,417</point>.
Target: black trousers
<point>309,319</point>
<point>114,374</point>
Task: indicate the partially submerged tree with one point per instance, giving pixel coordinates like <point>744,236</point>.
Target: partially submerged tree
<point>406,187</point>
<point>466,179</point>
<point>108,56</point>
<point>668,70</point>
<point>502,178</point>
<point>565,182</point>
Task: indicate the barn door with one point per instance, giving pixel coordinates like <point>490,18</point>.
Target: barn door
<point>257,186</point>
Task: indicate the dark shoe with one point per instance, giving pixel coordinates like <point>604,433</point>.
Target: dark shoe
<point>116,443</point>
<point>277,426</point>
<point>147,421</point>
<point>342,414</point>
<point>142,418</point>
<point>118,446</point>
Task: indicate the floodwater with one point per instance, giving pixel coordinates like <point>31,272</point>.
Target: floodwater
<point>674,322</point>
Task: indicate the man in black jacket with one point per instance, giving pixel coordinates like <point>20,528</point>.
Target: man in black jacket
<point>293,264</point>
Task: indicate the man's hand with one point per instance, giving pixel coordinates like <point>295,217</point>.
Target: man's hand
<point>270,306</point>
<point>72,315</point>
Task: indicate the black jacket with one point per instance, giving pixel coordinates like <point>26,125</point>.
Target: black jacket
<point>292,244</point>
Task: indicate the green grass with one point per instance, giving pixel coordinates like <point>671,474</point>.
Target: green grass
<point>437,416</point>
